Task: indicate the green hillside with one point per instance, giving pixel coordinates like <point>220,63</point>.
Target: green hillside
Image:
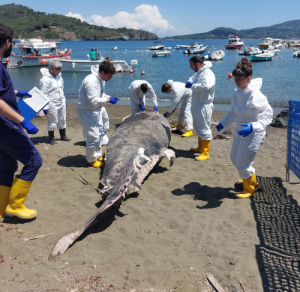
<point>31,24</point>
<point>285,30</point>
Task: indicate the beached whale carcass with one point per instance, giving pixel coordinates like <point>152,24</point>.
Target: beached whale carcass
<point>137,145</point>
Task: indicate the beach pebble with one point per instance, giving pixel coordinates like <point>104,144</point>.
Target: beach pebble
<point>192,269</point>
<point>74,204</point>
<point>159,224</point>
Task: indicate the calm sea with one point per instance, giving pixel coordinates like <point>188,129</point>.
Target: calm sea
<point>281,77</point>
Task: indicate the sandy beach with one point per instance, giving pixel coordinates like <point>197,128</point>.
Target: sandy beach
<point>184,223</point>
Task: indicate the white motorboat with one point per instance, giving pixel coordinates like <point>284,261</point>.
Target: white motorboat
<point>296,54</point>
<point>36,52</point>
<point>277,43</point>
<point>85,65</point>
<point>198,49</point>
<point>157,47</point>
<point>216,55</point>
<point>161,54</point>
<point>234,42</point>
<point>266,43</point>
<point>168,48</point>
<point>179,47</point>
<point>250,51</point>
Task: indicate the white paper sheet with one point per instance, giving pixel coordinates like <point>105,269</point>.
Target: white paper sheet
<point>38,100</point>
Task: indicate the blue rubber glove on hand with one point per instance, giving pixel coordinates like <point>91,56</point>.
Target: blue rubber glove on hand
<point>188,84</point>
<point>29,127</point>
<point>165,115</point>
<point>113,100</point>
<point>22,93</point>
<point>104,132</point>
<point>219,127</point>
<point>155,109</point>
<point>246,131</point>
<point>142,108</point>
<point>66,104</point>
<point>45,112</point>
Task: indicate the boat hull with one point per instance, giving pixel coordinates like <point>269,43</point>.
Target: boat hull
<point>233,47</point>
<point>17,61</point>
<point>257,58</point>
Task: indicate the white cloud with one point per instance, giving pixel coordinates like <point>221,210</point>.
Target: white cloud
<point>75,15</point>
<point>144,17</point>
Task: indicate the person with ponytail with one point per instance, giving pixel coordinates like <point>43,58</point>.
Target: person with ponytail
<point>251,112</point>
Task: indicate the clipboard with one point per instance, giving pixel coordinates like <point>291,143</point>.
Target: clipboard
<point>31,106</point>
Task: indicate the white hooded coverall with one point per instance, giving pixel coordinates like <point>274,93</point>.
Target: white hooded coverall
<point>104,125</point>
<point>248,105</point>
<point>53,88</point>
<point>185,94</point>
<point>203,93</point>
<point>137,96</point>
<point>91,97</point>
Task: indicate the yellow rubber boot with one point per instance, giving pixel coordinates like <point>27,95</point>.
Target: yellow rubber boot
<point>188,133</point>
<point>17,197</point>
<point>100,159</point>
<point>249,185</point>
<point>204,151</point>
<point>199,148</point>
<point>4,195</point>
<point>96,164</point>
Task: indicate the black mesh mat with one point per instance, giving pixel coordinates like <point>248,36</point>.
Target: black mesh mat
<point>278,226</point>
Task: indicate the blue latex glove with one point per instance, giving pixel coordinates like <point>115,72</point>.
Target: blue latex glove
<point>188,84</point>
<point>165,115</point>
<point>22,93</point>
<point>45,112</point>
<point>219,127</point>
<point>29,127</point>
<point>104,132</point>
<point>113,100</point>
<point>142,108</point>
<point>246,131</point>
<point>155,108</point>
<point>66,104</point>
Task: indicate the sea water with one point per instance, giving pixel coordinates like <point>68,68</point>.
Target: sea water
<point>281,76</point>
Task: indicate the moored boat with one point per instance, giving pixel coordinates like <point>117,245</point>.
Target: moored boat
<point>161,54</point>
<point>197,49</point>
<point>157,47</point>
<point>36,52</point>
<point>267,56</point>
<point>234,42</point>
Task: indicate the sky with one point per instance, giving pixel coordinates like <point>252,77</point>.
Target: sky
<point>176,17</point>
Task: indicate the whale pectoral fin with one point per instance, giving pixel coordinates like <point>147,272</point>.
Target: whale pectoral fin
<point>170,154</point>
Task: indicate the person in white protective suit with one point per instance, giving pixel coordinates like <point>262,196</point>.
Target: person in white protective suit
<point>137,91</point>
<point>252,114</point>
<point>91,98</point>
<point>180,93</point>
<point>52,85</point>
<point>104,125</point>
<point>202,84</point>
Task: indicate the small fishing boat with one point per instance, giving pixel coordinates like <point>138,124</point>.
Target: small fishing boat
<point>161,54</point>
<point>296,54</point>
<point>157,47</point>
<point>234,42</point>
<point>36,52</point>
<point>250,51</point>
<point>266,56</point>
<point>179,47</point>
<point>198,49</point>
<point>266,43</point>
<point>216,55</point>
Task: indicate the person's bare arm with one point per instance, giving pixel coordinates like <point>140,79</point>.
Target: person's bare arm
<point>9,113</point>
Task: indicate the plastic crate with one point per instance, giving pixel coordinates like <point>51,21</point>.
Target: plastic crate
<point>293,140</point>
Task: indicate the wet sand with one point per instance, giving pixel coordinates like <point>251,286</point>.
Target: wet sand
<point>185,221</point>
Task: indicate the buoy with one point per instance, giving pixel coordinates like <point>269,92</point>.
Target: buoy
<point>130,70</point>
<point>43,61</point>
<point>68,58</point>
<point>142,53</point>
<point>280,58</point>
<point>124,53</point>
<point>148,48</point>
<point>142,73</point>
<point>229,75</point>
<point>146,53</point>
<point>198,55</point>
<point>240,48</point>
<point>186,55</point>
<point>122,70</point>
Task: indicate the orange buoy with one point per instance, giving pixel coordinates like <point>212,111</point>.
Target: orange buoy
<point>142,73</point>
<point>124,53</point>
<point>68,58</point>
<point>43,61</point>
<point>186,55</point>
<point>229,75</point>
<point>130,70</point>
<point>122,70</point>
<point>148,48</point>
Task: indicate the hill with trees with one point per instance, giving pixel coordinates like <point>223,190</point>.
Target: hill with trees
<point>27,23</point>
<point>285,30</point>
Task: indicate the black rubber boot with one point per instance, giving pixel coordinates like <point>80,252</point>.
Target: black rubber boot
<point>51,137</point>
<point>63,136</point>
